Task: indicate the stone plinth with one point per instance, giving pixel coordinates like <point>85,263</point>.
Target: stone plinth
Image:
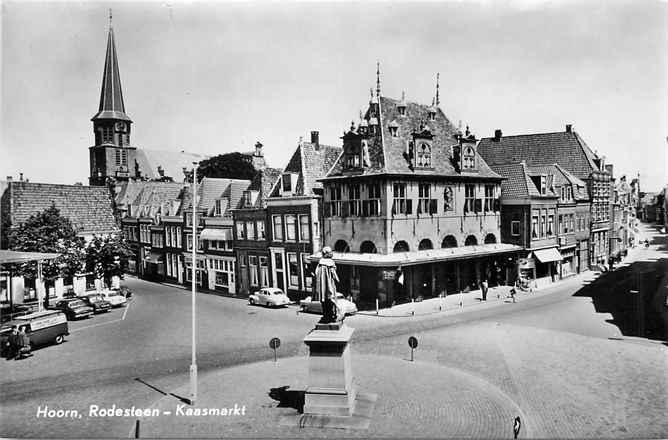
<point>330,390</point>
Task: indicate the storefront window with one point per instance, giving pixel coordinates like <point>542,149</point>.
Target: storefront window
<point>253,269</point>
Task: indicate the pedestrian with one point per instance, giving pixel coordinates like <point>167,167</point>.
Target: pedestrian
<point>12,344</point>
<point>485,287</point>
<point>23,343</point>
<point>513,292</point>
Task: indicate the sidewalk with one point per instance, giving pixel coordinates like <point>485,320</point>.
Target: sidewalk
<point>458,301</point>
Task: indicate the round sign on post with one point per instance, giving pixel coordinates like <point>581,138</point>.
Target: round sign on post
<point>274,343</point>
<point>517,425</point>
<point>412,343</point>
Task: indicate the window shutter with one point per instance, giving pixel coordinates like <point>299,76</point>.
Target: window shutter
<point>344,210</point>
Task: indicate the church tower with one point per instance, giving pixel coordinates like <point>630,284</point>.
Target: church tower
<point>113,155</point>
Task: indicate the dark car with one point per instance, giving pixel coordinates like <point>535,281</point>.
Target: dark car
<point>73,308</point>
<point>97,302</point>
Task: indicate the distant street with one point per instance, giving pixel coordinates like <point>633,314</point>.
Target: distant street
<point>554,354</point>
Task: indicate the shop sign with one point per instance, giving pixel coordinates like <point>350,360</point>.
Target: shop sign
<point>526,263</point>
<point>388,274</point>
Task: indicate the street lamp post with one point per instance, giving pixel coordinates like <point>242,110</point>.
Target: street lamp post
<point>193,365</point>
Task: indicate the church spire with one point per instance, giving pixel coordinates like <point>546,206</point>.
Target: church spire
<point>438,101</point>
<point>111,95</point>
<point>378,80</point>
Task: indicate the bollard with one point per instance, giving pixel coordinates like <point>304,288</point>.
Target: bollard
<point>461,298</point>
<point>376,306</point>
<point>137,429</point>
<point>412,307</point>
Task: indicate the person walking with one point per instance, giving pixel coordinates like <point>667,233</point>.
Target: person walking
<point>485,287</point>
<point>513,292</point>
<point>13,342</point>
<point>23,344</point>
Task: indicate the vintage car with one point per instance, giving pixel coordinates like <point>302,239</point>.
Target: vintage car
<point>114,298</point>
<point>43,328</point>
<point>73,308</point>
<point>270,297</point>
<point>346,306</point>
<point>97,302</point>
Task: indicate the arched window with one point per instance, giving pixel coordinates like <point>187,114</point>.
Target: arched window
<point>401,246</point>
<point>449,242</point>
<point>424,156</point>
<point>490,239</point>
<point>471,241</point>
<point>368,247</point>
<point>341,246</point>
<point>425,244</point>
<point>468,158</point>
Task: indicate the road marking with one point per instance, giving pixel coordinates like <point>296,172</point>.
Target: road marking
<point>127,306</point>
<point>95,325</point>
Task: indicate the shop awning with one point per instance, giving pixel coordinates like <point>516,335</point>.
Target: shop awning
<point>23,257</point>
<point>547,255</point>
<point>216,234</point>
<point>420,257</point>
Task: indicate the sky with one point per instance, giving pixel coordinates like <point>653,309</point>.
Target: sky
<point>215,77</point>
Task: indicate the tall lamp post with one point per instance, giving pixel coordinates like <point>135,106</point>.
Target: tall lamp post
<point>193,363</point>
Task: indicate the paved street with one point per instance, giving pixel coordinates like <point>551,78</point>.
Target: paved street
<point>572,368</point>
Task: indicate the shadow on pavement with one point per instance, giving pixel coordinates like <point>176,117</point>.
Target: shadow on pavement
<point>288,398</point>
<point>635,314</point>
<point>182,399</point>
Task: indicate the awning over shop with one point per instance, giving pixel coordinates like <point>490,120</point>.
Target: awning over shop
<point>420,257</point>
<point>217,234</point>
<point>23,257</point>
<point>547,255</point>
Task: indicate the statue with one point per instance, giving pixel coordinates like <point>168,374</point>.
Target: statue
<point>325,287</point>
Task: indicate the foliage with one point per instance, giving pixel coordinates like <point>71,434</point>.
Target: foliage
<point>229,166</point>
<point>107,256</point>
<point>48,232</point>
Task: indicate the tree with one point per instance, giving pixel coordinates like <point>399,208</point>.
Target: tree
<point>229,166</point>
<point>48,232</point>
<point>107,256</point>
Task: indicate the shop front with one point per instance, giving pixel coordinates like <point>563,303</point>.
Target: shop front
<point>221,273</point>
<point>413,276</point>
<point>201,276</point>
<point>568,264</point>
<point>546,262</point>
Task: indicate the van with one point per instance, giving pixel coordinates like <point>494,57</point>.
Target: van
<point>43,328</point>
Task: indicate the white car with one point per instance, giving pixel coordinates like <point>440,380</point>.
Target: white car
<point>114,298</point>
<point>270,297</point>
<point>346,306</point>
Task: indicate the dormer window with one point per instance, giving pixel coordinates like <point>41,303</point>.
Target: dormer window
<point>468,158</point>
<point>402,110</point>
<point>248,200</point>
<point>352,159</point>
<point>423,159</point>
<point>543,185</point>
<point>432,114</point>
<point>287,183</point>
<point>394,129</point>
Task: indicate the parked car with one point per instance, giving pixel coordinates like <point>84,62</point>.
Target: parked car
<point>114,298</point>
<point>43,328</point>
<point>11,312</point>
<point>125,291</point>
<point>346,306</point>
<point>74,308</point>
<point>270,297</point>
<point>97,302</point>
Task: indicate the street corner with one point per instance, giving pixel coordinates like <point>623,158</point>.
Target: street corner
<point>412,399</point>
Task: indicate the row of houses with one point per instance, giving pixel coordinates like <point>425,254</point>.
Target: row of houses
<point>412,206</point>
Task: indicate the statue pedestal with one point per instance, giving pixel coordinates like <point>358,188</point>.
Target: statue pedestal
<point>330,390</point>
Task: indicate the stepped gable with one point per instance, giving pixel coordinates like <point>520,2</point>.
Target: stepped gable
<point>89,208</point>
<point>565,148</point>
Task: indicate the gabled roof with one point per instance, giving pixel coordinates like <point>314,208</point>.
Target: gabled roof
<point>262,184</point>
<point>310,164</point>
<point>387,153</point>
<point>171,162</point>
<point>564,148</point>
<point>154,198</point>
<point>518,183</point>
<point>111,95</point>
<point>211,189</point>
<point>89,208</point>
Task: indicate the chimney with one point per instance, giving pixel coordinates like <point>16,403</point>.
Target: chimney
<point>9,178</point>
<point>569,128</point>
<point>161,171</point>
<point>315,139</point>
<point>608,168</point>
<point>258,149</point>
<point>497,135</point>
<point>21,177</point>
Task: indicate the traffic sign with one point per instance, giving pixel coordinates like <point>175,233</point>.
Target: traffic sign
<point>274,343</point>
<point>412,342</point>
<point>517,425</point>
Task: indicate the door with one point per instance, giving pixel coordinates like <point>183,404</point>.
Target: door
<point>279,271</point>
